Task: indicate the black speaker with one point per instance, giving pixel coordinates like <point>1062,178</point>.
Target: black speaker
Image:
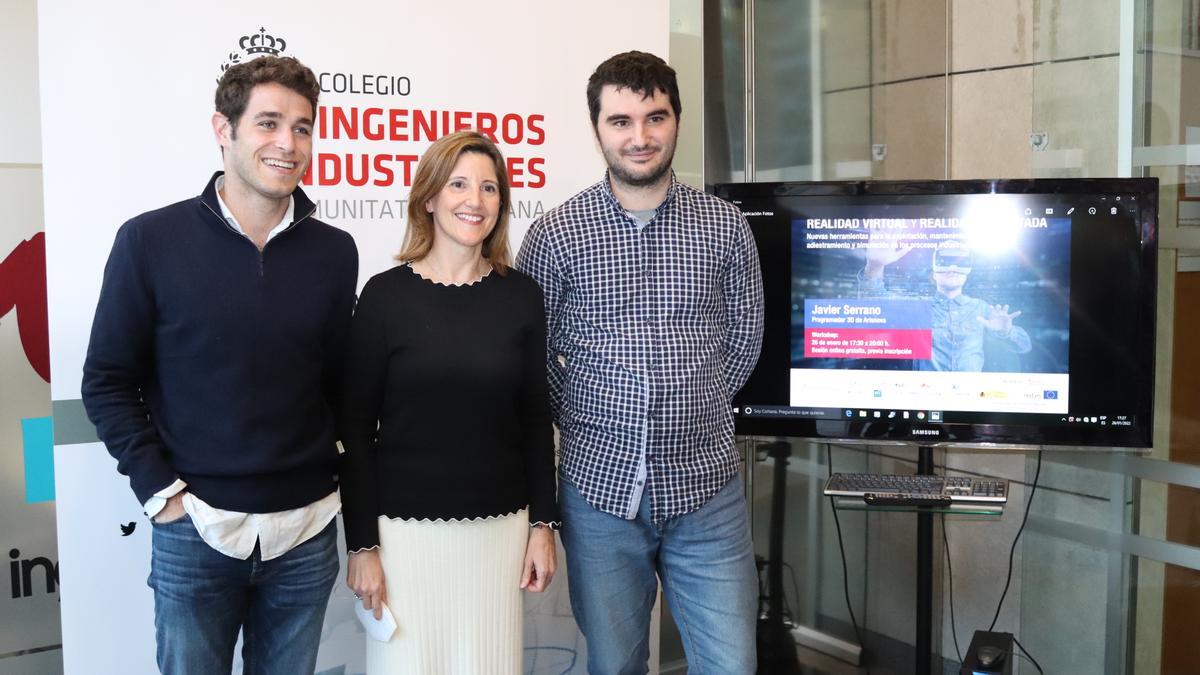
<point>989,654</point>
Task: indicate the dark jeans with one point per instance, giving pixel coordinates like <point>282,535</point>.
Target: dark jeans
<point>202,598</point>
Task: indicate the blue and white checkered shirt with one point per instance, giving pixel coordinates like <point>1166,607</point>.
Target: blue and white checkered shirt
<point>652,328</point>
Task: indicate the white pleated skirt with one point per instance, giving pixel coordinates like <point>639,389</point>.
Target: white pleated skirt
<point>453,587</point>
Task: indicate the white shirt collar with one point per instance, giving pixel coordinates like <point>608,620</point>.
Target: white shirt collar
<point>288,215</point>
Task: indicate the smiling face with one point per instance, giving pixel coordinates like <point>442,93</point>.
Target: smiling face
<point>468,205</point>
<point>637,135</point>
<point>268,152</point>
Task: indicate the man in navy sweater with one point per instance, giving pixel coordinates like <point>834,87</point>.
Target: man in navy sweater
<point>210,377</point>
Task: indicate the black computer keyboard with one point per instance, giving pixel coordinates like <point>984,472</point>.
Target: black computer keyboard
<point>901,499</point>
<point>913,489</point>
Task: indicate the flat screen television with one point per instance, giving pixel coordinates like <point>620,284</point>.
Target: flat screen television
<point>963,312</point>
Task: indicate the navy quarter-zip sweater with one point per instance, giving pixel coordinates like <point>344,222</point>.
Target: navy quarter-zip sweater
<point>216,363</point>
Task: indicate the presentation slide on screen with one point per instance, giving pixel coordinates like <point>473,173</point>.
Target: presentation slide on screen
<point>913,307</point>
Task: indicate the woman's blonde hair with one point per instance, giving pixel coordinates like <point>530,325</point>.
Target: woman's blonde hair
<point>433,171</point>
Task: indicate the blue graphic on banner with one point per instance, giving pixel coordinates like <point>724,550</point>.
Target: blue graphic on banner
<point>38,436</point>
<point>896,314</point>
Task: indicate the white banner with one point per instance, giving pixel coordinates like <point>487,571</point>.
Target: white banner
<point>127,88</point>
<point>29,618</point>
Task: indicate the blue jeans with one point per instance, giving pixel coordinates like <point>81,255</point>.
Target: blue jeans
<point>705,561</point>
<point>202,598</point>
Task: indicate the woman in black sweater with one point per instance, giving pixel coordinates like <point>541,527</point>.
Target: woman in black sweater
<point>447,480</point>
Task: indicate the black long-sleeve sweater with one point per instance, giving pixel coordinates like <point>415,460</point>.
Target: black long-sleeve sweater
<point>217,363</point>
<point>445,412</point>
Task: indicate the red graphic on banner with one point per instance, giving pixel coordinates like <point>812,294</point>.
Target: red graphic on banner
<point>867,343</point>
<point>402,125</point>
<point>23,287</point>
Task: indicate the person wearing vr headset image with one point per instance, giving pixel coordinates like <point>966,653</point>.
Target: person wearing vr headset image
<point>961,323</point>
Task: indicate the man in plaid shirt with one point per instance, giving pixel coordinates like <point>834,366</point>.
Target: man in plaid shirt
<point>654,309</point>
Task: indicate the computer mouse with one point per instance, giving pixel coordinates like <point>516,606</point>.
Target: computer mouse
<point>990,656</point>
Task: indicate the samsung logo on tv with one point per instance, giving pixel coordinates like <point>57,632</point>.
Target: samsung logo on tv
<point>926,432</point>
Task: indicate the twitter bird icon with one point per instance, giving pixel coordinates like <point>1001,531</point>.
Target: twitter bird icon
<point>128,529</point>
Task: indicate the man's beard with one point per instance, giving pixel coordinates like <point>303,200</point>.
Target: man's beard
<point>618,170</point>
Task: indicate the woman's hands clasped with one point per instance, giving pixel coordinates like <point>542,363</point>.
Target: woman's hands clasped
<point>364,576</point>
<point>540,561</point>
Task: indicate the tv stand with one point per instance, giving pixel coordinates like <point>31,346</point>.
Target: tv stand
<point>776,647</point>
<point>925,551</point>
<point>924,626</point>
